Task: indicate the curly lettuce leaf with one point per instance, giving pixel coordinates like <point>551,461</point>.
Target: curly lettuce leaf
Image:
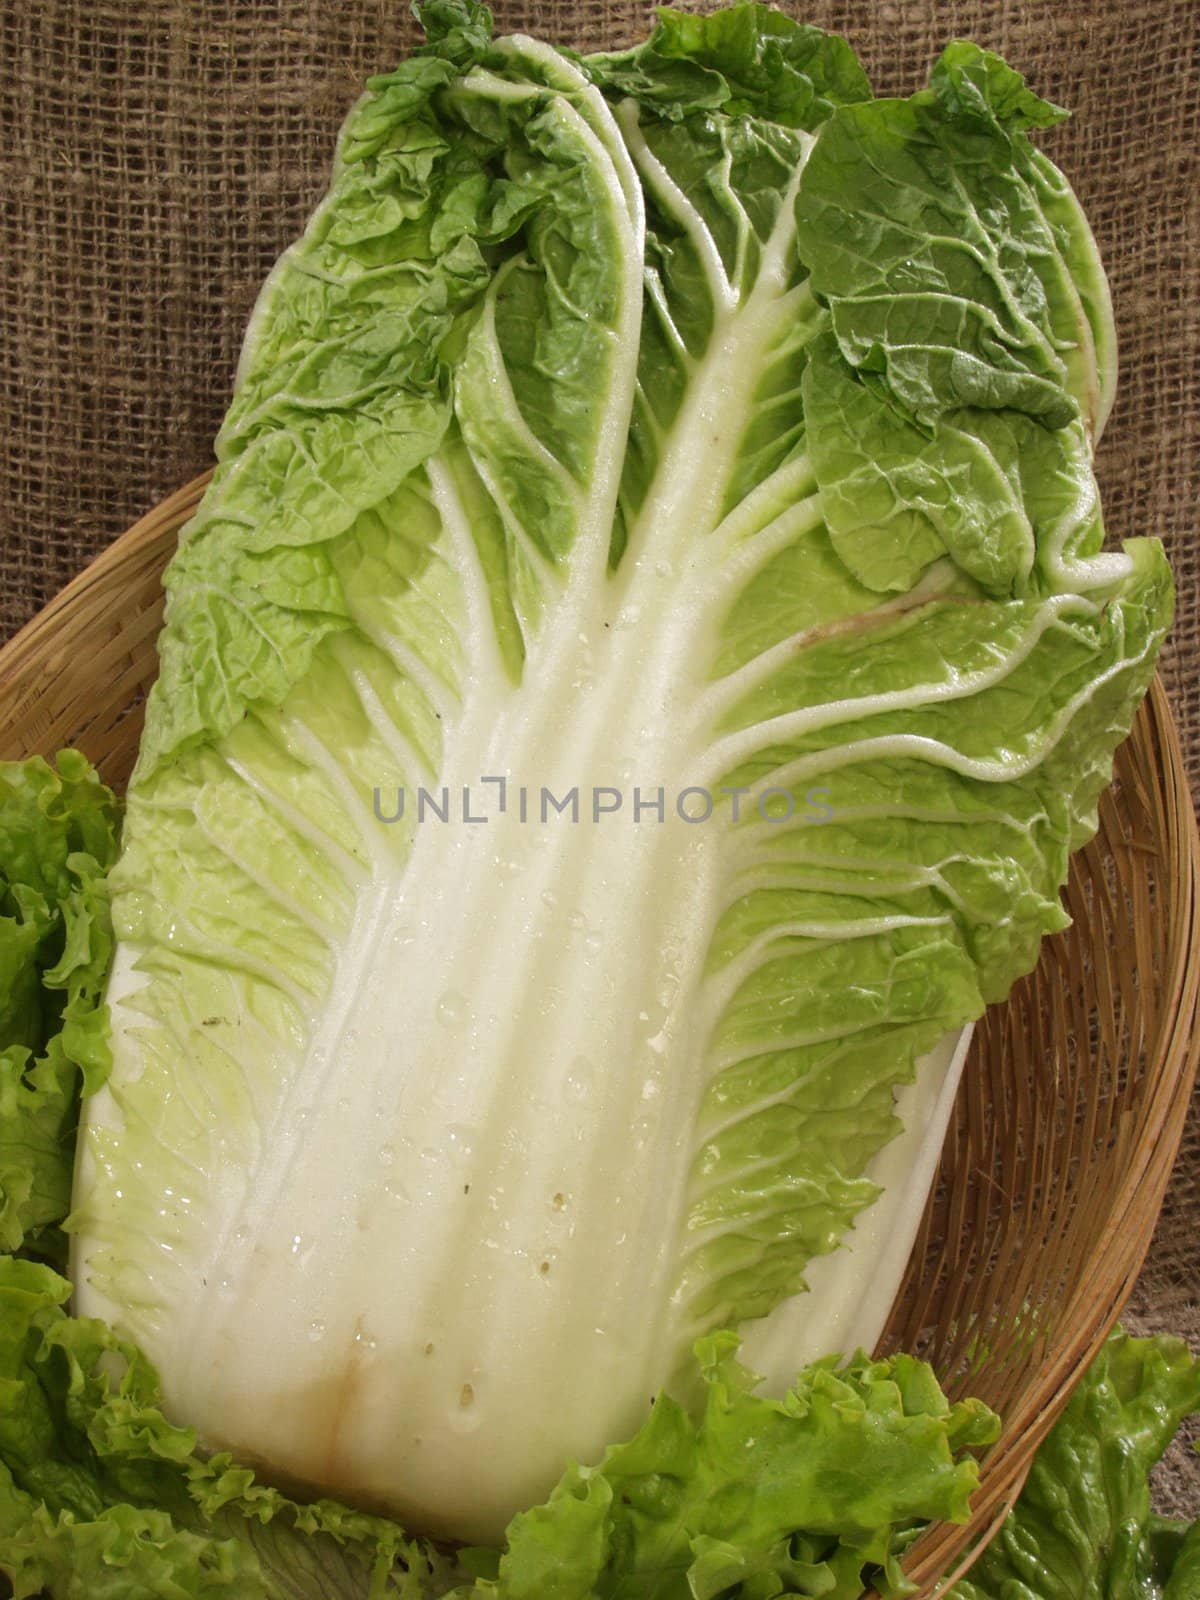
<point>1083,1528</point>
<point>101,1496</point>
<point>814,1494</point>
<point>58,837</point>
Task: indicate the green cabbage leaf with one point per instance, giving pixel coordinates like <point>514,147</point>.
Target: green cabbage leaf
<point>627,701</point>
<point>628,698</point>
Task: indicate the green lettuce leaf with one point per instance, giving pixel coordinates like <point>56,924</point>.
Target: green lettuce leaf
<point>1183,1564</point>
<point>813,1494</point>
<point>100,1496</point>
<point>1083,1528</point>
<point>58,837</point>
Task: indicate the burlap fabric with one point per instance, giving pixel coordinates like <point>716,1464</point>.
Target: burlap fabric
<point>155,155</point>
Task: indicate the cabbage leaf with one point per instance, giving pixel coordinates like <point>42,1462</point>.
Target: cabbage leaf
<point>627,700</point>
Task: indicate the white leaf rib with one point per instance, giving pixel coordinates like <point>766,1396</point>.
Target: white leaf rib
<point>541,566</point>
<point>367,826</point>
<point>720,698</point>
<point>937,753</point>
<point>486,343</point>
<point>563,74</point>
<point>732,1059</point>
<point>773,268</point>
<point>220,953</point>
<point>730,202</point>
<point>730,751</point>
<point>342,860</point>
<point>267,886</point>
<point>1032,333</point>
<point>408,755</point>
<point>481,623</point>
<point>753,828</point>
<point>793,482</point>
<point>440,695</point>
<point>1100,384</point>
<point>700,1193</point>
<point>657,296</point>
<point>678,207</point>
<point>603,144</point>
<point>766,873</point>
<point>723,985</point>
<point>713,581</point>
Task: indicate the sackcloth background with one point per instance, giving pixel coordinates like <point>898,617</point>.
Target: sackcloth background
<point>156,155</point>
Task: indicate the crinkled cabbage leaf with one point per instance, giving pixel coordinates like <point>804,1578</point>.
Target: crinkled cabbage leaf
<point>627,701</point>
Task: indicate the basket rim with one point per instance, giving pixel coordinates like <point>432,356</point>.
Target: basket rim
<point>159,525</point>
<point>945,1552</point>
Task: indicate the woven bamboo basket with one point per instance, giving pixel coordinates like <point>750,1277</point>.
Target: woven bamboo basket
<point>1071,1107</point>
